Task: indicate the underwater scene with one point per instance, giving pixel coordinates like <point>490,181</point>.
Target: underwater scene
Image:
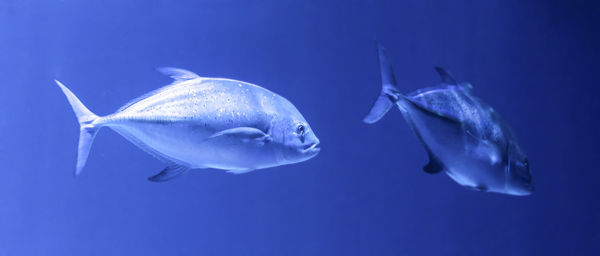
<point>227,127</point>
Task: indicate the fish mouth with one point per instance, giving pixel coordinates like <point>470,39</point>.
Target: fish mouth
<point>520,183</point>
<point>524,191</point>
<point>312,148</point>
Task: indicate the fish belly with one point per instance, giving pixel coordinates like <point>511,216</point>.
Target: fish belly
<point>477,175</point>
<point>451,145</point>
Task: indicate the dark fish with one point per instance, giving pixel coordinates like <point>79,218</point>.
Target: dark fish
<point>462,135</point>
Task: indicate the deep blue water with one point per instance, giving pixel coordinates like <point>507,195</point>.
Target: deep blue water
<point>535,62</point>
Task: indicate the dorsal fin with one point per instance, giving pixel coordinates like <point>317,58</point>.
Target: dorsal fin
<point>446,76</point>
<point>467,85</point>
<point>177,73</point>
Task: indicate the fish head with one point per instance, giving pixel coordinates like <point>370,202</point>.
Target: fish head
<point>519,179</point>
<point>298,141</point>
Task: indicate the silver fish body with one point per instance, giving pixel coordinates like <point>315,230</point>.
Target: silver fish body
<point>467,138</point>
<point>200,122</point>
<point>463,136</point>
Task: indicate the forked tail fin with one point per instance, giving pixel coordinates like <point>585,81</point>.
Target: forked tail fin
<point>389,92</point>
<point>87,129</point>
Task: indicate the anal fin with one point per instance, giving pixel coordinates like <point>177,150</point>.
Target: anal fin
<point>169,173</point>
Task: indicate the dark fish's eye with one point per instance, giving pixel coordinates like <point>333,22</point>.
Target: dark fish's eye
<point>300,129</point>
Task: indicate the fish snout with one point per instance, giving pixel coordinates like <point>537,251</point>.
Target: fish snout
<point>522,190</point>
<point>313,148</point>
<point>522,183</point>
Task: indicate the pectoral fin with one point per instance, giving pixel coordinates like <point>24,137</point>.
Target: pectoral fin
<point>242,134</point>
<point>169,173</point>
<point>484,148</point>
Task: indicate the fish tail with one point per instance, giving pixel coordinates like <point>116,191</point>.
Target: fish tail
<point>88,127</point>
<point>389,92</point>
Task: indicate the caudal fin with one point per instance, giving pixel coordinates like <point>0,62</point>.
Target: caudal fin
<point>389,93</point>
<point>87,129</point>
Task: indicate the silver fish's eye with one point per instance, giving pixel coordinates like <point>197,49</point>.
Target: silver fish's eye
<point>300,129</point>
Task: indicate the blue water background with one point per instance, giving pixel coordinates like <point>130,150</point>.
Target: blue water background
<point>535,62</point>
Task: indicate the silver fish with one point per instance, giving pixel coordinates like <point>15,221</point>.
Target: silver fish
<point>462,135</point>
<point>197,123</point>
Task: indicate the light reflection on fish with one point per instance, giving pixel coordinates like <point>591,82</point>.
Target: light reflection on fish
<point>462,135</point>
<point>198,122</point>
